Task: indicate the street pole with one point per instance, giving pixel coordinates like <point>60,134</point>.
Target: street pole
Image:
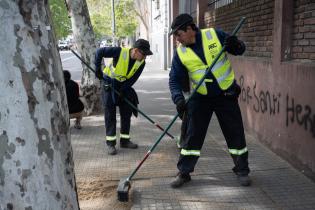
<point>113,24</point>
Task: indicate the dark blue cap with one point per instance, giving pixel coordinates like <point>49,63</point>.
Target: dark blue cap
<point>144,46</point>
<point>180,22</point>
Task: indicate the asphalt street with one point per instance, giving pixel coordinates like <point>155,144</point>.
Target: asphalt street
<point>72,64</point>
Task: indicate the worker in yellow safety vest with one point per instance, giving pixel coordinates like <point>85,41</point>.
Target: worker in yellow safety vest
<point>218,93</point>
<point>124,70</point>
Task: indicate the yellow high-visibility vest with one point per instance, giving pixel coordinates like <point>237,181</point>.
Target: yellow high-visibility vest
<point>222,70</point>
<point>120,71</point>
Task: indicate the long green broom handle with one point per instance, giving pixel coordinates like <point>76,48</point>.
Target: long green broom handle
<point>128,102</point>
<point>194,91</point>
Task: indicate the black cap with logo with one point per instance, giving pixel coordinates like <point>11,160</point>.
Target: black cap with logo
<point>180,22</point>
<point>144,46</point>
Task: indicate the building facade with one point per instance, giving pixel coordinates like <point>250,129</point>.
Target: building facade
<point>157,31</point>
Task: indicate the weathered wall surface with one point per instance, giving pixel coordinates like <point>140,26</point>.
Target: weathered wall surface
<point>279,106</point>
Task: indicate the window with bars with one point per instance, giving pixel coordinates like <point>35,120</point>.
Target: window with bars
<point>220,3</point>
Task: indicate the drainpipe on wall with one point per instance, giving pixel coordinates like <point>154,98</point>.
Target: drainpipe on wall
<point>165,37</point>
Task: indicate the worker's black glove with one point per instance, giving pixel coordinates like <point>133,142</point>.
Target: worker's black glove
<point>231,41</point>
<point>231,44</point>
<point>99,73</point>
<point>181,107</point>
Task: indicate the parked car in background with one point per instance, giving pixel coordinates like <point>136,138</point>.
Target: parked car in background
<point>105,43</point>
<point>63,45</point>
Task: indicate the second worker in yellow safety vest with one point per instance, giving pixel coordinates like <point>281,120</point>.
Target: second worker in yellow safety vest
<point>218,93</point>
<point>126,67</point>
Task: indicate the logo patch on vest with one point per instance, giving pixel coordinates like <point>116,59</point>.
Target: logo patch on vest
<point>213,49</point>
<point>211,46</point>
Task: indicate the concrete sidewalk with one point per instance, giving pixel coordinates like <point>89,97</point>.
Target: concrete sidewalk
<point>276,184</point>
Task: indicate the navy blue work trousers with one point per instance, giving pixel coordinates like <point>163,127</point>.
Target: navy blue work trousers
<point>199,112</point>
<point>125,111</point>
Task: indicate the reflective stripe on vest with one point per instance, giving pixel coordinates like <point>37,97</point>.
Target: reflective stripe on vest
<point>238,152</point>
<point>120,71</point>
<point>190,152</point>
<point>222,70</point>
<point>125,136</point>
<point>110,138</point>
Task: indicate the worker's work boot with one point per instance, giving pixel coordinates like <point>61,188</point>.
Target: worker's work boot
<point>112,150</point>
<point>128,144</point>
<point>180,180</point>
<point>244,180</point>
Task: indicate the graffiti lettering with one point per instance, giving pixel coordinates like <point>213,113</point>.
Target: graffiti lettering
<point>245,96</point>
<point>303,117</point>
<point>264,101</point>
<point>256,106</point>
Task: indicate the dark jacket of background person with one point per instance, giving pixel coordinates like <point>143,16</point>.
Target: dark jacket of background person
<point>72,89</point>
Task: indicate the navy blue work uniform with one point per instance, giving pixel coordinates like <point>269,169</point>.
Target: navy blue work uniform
<point>200,108</point>
<point>111,100</point>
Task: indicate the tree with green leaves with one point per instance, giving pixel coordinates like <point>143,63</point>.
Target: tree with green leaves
<point>126,21</point>
<point>61,21</point>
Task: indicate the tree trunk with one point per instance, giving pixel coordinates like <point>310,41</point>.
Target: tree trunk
<point>85,42</point>
<point>36,166</point>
